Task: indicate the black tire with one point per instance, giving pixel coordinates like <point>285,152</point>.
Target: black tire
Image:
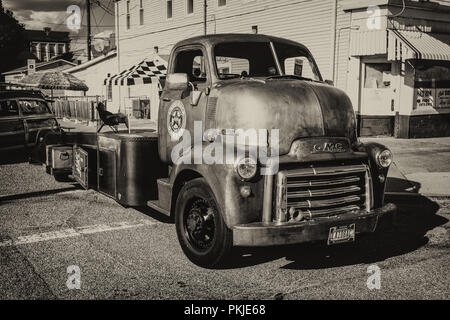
<point>203,235</point>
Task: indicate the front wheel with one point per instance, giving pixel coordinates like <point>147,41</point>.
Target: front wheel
<point>202,232</point>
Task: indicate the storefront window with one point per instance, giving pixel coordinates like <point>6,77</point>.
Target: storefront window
<point>432,84</point>
<point>378,76</point>
<point>426,71</point>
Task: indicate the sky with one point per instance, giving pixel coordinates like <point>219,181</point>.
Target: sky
<point>37,14</point>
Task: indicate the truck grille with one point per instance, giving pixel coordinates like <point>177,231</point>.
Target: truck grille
<point>305,194</point>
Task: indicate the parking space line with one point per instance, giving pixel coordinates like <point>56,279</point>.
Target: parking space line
<point>75,232</point>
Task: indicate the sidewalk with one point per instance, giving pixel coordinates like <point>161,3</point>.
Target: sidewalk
<point>421,166</point>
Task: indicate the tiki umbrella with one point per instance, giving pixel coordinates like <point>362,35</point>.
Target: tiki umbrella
<point>55,80</point>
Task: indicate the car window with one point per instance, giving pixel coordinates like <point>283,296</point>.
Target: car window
<point>192,63</point>
<point>8,108</point>
<point>299,66</point>
<point>230,67</point>
<point>31,107</point>
<point>248,59</point>
<point>297,61</point>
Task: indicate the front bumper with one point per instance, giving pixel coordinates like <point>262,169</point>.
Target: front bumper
<point>269,234</point>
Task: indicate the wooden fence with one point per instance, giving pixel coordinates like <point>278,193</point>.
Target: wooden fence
<point>80,110</point>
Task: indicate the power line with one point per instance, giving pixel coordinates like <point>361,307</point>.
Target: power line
<point>106,9</point>
<point>95,20</point>
<point>104,14</point>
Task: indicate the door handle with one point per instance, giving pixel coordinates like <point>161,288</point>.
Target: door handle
<point>167,99</point>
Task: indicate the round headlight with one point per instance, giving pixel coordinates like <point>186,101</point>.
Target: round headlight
<point>385,158</point>
<point>246,168</point>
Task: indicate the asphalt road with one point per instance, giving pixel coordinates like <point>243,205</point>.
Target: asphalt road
<point>124,253</point>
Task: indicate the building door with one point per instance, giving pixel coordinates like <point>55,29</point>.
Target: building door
<point>379,98</point>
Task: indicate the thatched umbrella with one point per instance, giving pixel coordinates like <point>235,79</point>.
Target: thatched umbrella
<point>55,80</point>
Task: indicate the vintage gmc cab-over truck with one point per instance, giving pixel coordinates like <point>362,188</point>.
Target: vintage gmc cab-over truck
<point>309,180</point>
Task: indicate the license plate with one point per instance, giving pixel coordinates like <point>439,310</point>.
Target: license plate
<point>341,234</point>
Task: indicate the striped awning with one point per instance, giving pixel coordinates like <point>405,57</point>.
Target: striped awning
<point>147,71</point>
<point>404,45</point>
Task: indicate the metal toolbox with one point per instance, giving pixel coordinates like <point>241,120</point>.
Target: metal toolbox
<point>84,169</point>
<point>59,157</point>
<point>129,166</point>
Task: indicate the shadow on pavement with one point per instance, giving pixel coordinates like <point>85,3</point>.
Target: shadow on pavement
<point>13,157</point>
<point>402,185</point>
<point>155,214</point>
<point>416,216</point>
<point>28,195</point>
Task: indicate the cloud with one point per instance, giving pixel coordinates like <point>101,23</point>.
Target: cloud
<point>38,14</point>
<point>41,19</point>
<point>39,5</point>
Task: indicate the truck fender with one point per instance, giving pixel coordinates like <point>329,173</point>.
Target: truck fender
<point>216,179</point>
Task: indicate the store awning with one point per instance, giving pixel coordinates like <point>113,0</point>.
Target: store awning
<point>404,45</point>
<point>150,70</point>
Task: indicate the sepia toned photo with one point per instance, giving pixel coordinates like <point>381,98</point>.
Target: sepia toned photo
<point>224,157</point>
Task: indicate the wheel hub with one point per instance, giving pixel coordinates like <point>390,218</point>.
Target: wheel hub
<point>199,224</point>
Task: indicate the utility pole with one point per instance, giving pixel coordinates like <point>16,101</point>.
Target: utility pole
<point>89,44</point>
<point>205,17</point>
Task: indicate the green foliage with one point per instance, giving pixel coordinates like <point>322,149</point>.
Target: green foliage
<point>12,40</point>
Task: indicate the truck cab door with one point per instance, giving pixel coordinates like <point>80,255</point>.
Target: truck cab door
<point>185,103</point>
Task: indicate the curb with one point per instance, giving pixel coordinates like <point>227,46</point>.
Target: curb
<point>410,196</point>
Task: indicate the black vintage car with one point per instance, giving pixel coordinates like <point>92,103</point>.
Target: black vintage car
<point>25,118</point>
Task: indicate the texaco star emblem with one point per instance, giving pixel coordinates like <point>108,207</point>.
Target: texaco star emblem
<point>176,120</point>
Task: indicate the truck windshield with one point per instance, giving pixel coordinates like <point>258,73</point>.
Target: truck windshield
<point>256,59</point>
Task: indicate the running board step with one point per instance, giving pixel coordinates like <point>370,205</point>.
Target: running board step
<point>155,206</point>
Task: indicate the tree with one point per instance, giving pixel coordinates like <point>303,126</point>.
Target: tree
<point>13,40</point>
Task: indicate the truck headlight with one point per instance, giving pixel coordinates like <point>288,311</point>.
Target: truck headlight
<point>385,158</point>
<point>246,168</point>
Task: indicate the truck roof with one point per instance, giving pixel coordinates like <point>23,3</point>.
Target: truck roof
<point>234,37</point>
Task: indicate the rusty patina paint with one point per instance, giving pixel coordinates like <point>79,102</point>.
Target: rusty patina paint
<point>299,109</point>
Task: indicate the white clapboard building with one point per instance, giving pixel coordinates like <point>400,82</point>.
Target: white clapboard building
<point>391,56</point>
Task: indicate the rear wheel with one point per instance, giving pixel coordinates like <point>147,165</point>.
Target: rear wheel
<point>202,232</point>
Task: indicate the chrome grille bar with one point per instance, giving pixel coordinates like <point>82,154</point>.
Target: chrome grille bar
<point>323,182</point>
<point>309,204</point>
<point>322,191</point>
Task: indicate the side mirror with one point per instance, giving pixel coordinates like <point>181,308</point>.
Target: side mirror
<point>177,81</point>
<point>195,97</point>
<point>330,82</point>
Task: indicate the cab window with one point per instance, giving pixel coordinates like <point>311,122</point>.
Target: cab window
<point>230,67</point>
<point>296,61</point>
<point>244,59</point>
<point>8,108</point>
<point>299,66</point>
<point>192,62</point>
<point>33,107</point>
